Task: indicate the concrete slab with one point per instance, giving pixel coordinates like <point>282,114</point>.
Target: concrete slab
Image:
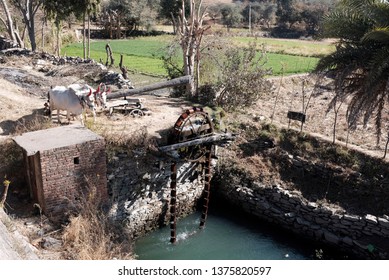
<point>58,137</point>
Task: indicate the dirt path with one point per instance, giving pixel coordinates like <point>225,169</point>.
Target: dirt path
<point>14,105</point>
<point>24,90</point>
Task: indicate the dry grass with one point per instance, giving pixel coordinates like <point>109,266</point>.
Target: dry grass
<point>33,123</point>
<point>90,235</point>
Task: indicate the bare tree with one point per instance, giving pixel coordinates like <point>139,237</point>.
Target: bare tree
<point>190,31</point>
<point>8,22</point>
<point>336,103</point>
<point>306,98</point>
<point>28,9</point>
<point>278,92</point>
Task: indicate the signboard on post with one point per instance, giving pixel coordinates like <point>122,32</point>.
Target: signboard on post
<point>298,116</point>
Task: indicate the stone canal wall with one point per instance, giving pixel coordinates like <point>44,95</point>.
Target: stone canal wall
<point>361,235</point>
<point>140,191</point>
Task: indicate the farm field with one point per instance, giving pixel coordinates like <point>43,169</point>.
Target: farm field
<point>143,54</point>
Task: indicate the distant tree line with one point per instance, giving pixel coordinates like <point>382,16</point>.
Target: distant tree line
<point>24,21</point>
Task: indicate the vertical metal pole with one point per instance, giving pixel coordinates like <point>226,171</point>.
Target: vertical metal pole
<point>173,200</point>
<point>207,186</point>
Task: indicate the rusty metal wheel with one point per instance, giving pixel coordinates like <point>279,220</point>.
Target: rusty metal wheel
<point>192,124</point>
<point>136,113</point>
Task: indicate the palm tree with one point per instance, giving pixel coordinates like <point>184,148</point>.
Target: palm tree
<point>360,63</point>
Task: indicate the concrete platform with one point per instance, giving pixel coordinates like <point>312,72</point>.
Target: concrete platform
<point>52,138</point>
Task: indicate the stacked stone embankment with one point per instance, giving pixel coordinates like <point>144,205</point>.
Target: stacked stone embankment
<point>360,235</point>
<point>141,195</point>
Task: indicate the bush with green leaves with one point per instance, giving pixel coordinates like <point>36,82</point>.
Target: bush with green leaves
<point>242,78</point>
<point>231,77</point>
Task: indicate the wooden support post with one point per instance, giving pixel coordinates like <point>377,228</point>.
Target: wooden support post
<point>207,186</point>
<point>123,68</point>
<point>173,201</point>
<point>109,55</point>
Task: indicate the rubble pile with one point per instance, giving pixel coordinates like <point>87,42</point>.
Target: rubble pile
<point>51,65</point>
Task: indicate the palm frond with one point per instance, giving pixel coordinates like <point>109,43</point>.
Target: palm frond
<point>359,5</point>
<point>360,64</point>
<point>346,25</point>
<point>346,56</point>
<point>379,34</point>
<point>378,70</point>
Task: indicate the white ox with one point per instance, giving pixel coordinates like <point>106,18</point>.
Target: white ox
<point>87,96</point>
<point>101,95</point>
<point>72,99</point>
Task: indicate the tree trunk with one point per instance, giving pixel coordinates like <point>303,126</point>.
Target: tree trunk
<point>9,22</point>
<point>88,52</point>
<point>29,9</point>
<point>110,28</point>
<point>30,15</point>
<point>191,31</point>
<point>84,35</point>
<point>118,27</point>
<point>386,146</point>
<point>174,24</point>
<point>18,39</point>
<point>334,128</point>
<point>43,32</point>
<point>58,47</point>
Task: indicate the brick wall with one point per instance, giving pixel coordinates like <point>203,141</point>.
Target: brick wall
<point>70,172</point>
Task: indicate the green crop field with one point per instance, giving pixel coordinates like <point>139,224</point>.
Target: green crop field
<point>292,47</point>
<point>290,64</point>
<point>142,54</point>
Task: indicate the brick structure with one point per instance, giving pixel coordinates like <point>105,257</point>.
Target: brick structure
<point>62,165</point>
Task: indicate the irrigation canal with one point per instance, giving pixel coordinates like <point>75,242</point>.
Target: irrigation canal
<point>227,235</point>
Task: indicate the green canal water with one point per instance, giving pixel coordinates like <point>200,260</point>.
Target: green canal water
<point>227,236</point>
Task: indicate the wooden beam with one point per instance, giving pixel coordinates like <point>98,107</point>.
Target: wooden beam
<point>171,83</point>
<point>213,138</point>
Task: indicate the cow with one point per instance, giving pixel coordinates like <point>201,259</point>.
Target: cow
<point>101,95</point>
<point>84,92</point>
<point>63,98</point>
